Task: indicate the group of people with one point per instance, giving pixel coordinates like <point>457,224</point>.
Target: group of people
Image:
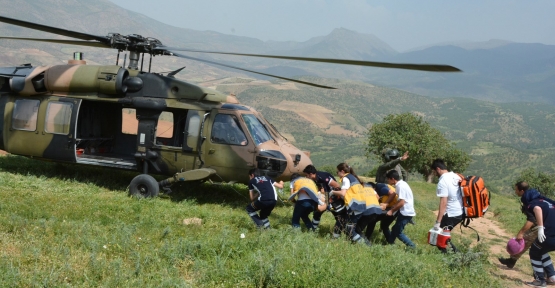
<point>355,205</point>
<point>358,206</point>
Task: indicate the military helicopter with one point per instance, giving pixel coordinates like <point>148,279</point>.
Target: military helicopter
<point>77,113</point>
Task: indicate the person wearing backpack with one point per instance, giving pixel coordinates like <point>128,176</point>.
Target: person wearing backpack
<point>450,212</point>
<point>544,211</point>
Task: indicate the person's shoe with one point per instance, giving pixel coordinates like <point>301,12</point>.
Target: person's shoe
<point>550,280</point>
<point>536,283</point>
<point>509,262</point>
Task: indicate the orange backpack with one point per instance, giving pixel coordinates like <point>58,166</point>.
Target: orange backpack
<point>475,196</point>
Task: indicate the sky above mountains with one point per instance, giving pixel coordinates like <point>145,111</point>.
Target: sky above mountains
<point>403,24</point>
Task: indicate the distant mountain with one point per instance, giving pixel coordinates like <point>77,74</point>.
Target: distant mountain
<point>468,45</point>
<point>494,70</point>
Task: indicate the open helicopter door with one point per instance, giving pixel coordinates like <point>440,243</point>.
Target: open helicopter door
<point>229,150</point>
<point>42,127</point>
<point>177,140</point>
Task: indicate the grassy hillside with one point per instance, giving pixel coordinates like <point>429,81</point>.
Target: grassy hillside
<point>75,226</point>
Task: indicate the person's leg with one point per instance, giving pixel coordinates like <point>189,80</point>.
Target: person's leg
<point>251,210</point>
<point>397,231</point>
<point>384,226</point>
<point>340,224</point>
<point>448,224</point>
<point>316,216</point>
<point>529,237</point>
<point>308,207</point>
<point>265,211</point>
<point>296,218</point>
<point>363,222</point>
<point>351,229</point>
<point>536,254</point>
<point>372,225</point>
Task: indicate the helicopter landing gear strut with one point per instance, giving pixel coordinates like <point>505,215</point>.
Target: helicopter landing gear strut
<point>144,186</point>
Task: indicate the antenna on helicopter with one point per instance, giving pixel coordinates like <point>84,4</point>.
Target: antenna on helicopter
<point>172,74</point>
<point>78,59</point>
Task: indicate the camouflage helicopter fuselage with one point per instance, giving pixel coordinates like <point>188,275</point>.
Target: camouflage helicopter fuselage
<point>115,117</point>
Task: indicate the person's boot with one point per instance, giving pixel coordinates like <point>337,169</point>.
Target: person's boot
<point>509,262</point>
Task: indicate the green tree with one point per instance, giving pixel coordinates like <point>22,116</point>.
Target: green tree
<point>544,182</point>
<point>408,132</point>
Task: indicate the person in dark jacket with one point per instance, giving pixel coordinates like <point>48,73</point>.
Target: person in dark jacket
<point>544,211</point>
<point>392,162</point>
<point>263,196</point>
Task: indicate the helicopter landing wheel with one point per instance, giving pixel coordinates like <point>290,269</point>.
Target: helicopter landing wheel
<point>144,186</point>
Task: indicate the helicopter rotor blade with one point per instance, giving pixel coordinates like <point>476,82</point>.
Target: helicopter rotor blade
<point>54,30</point>
<point>419,67</point>
<point>60,41</point>
<point>251,71</point>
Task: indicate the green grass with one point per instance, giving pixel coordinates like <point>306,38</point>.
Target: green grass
<point>63,226</point>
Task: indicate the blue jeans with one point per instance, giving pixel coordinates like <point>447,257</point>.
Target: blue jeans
<point>302,209</point>
<point>397,231</point>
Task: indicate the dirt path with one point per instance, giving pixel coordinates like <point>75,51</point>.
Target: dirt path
<point>496,238</point>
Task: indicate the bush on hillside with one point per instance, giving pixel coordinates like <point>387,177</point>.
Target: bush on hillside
<point>545,183</point>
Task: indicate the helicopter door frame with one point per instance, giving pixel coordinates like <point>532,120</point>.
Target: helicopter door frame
<point>231,158</point>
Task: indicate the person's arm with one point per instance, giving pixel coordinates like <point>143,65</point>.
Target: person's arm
<point>539,215</point>
<point>390,197</point>
<point>527,226</point>
<point>279,184</point>
<point>442,208</point>
<point>389,165</point>
<point>334,184</point>
<point>396,208</point>
<point>253,194</point>
<point>341,192</point>
<point>539,220</point>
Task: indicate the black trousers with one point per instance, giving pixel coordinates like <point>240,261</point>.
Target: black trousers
<point>265,208</point>
<point>449,223</point>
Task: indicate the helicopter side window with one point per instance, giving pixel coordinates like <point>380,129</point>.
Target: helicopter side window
<point>25,113</point>
<point>192,130</point>
<point>256,129</point>
<point>58,117</point>
<point>226,130</point>
<point>164,130</point>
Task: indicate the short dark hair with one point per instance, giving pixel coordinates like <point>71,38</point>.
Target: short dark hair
<point>522,186</point>
<point>255,172</point>
<point>392,174</point>
<point>438,163</point>
<point>310,169</point>
<point>295,176</point>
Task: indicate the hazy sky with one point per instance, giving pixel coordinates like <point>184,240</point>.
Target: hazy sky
<point>403,24</point>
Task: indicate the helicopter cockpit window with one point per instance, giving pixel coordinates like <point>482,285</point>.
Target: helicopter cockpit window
<point>257,130</point>
<point>58,118</point>
<point>226,130</point>
<point>25,113</point>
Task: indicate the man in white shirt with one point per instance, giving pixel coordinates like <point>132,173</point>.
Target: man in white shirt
<point>405,207</point>
<point>450,199</point>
